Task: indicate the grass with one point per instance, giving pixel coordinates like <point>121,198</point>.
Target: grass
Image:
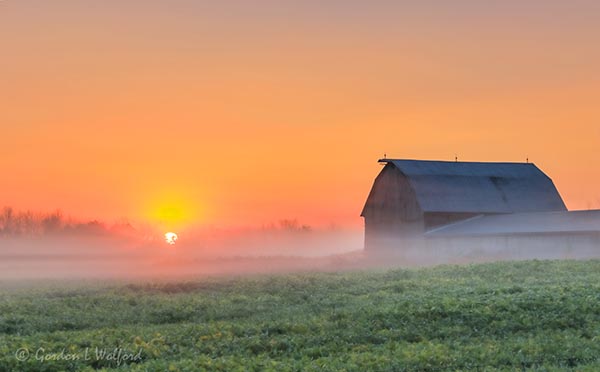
<point>534,315</point>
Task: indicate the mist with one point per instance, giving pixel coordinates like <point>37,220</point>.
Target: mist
<point>255,252</point>
<point>224,252</point>
<point>39,247</point>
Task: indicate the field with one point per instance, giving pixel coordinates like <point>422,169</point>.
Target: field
<point>533,315</point>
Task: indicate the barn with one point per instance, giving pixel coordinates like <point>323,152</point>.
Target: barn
<point>426,204</point>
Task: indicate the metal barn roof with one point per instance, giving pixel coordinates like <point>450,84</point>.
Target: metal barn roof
<point>478,187</point>
<point>523,223</point>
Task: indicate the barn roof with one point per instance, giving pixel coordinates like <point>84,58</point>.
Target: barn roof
<point>477,187</point>
<point>523,223</point>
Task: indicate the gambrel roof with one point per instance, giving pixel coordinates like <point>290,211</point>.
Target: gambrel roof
<point>477,187</point>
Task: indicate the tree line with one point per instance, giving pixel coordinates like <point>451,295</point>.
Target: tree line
<point>28,223</point>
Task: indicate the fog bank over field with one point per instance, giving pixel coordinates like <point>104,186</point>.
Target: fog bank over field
<point>107,256</point>
<point>52,247</point>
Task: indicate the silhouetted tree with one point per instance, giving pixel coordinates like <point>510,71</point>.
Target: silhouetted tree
<point>26,223</point>
<point>53,222</point>
<point>7,221</point>
<point>293,226</point>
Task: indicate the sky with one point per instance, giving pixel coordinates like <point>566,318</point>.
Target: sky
<point>242,113</point>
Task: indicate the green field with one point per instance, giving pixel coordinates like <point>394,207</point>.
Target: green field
<point>536,315</point>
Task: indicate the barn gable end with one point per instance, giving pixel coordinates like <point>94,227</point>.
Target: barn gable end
<point>392,198</point>
<point>392,210</point>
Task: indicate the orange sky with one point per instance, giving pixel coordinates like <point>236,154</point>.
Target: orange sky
<point>239,114</point>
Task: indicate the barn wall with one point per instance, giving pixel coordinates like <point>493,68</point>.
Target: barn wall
<point>509,247</point>
<point>385,238</point>
<point>392,214</point>
<point>434,251</point>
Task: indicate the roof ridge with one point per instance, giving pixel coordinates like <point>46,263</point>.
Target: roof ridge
<point>387,160</point>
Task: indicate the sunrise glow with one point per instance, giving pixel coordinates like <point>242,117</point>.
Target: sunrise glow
<point>171,213</point>
<point>261,119</point>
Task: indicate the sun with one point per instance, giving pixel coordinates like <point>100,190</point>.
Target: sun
<point>171,238</point>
